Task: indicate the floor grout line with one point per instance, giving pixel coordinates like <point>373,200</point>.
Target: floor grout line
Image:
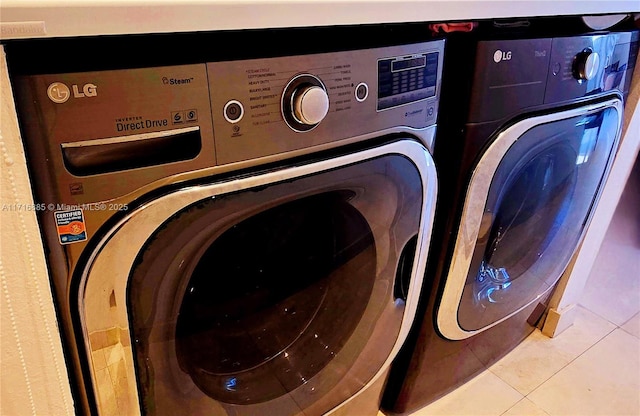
<point>596,342</point>
<point>599,315</point>
<point>572,360</point>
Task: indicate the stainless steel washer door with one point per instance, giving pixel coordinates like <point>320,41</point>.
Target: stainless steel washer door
<point>284,292</point>
<point>528,204</point>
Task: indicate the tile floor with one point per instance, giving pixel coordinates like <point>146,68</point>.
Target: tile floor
<point>593,368</point>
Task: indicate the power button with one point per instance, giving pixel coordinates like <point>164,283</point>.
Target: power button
<point>233,111</point>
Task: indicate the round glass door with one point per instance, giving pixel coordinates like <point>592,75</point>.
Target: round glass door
<point>538,205</point>
<point>278,299</point>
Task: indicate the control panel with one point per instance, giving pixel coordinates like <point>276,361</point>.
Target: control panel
<point>589,64</point>
<point>269,106</point>
<point>512,75</point>
<point>103,134</point>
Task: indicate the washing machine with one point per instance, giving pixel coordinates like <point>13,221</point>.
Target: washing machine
<point>241,236</point>
<point>522,163</point>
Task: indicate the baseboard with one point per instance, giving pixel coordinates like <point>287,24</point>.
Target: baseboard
<point>559,320</point>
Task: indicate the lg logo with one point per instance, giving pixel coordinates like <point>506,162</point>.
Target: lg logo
<point>59,93</point>
<point>501,56</point>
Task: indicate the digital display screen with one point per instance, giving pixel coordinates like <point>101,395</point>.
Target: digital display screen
<point>408,64</point>
<point>406,79</point>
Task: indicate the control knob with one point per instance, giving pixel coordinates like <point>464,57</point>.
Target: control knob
<point>586,65</point>
<point>305,102</point>
<point>310,105</point>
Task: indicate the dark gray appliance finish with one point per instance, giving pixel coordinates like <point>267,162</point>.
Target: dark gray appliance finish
<point>524,145</point>
<point>241,236</point>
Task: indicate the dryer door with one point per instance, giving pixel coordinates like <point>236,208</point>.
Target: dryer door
<point>285,292</point>
<point>528,204</point>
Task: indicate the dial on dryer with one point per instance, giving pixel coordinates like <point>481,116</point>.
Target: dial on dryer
<point>586,65</point>
<point>305,102</point>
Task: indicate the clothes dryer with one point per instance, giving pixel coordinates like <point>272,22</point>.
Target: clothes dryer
<point>235,237</point>
<point>521,170</point>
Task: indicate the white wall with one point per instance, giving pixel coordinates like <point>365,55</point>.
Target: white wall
<point>34,377</point>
